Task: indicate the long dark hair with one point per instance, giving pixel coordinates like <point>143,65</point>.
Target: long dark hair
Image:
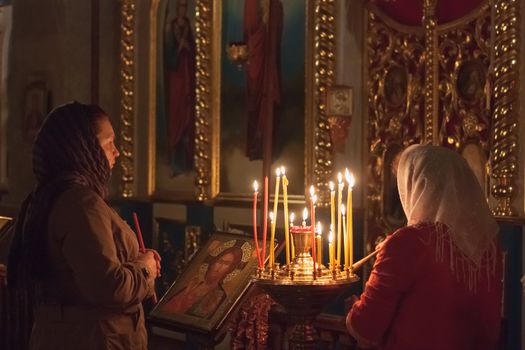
<point>66,152</point>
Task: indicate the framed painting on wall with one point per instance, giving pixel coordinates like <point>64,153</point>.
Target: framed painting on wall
<point>172,94</point>
<point>243,85</point>
<point>205,134</point>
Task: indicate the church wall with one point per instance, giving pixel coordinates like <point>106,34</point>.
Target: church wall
<point>349,63</point>
<point>51,42</point>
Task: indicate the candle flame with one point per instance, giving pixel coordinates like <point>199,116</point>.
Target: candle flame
<point>305,214</point>
<point>330,237</point>
<point>312,191</point>
<point>271,216</point>
<point>319,228</point>
<point>255,186</point>
<point>343,209</point>
<point>339,177</point>
<point>283,170</point>
<point>292,218</point>
<point>332,187</point>
<point>278,172</point>
<point>350,178</point>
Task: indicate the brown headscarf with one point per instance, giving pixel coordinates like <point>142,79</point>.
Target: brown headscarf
<point>66,153</point>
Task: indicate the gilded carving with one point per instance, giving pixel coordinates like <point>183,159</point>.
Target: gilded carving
<point>504,153</point>
<point>431,71</point>
<point>324,63</point>
<point>468,70</point>
<point>396,72</point>
<point>463,115</point>
<point>205,152</point>
<point>127,97</point>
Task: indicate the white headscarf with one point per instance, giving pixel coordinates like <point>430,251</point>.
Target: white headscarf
<point>436,185</point>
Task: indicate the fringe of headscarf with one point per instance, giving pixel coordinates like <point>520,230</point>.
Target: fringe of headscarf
<point>465,270</point>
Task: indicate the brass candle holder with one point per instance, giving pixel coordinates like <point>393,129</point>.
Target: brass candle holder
<point>302,291</point>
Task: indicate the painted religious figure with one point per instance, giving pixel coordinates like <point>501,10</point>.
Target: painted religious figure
<point>35,109</point>
<point>263,25</point>
<point>179,87</point>
<point>204,294</point>
<point>395,86</point>
<point>471,81</point>
<point>269,89</point>
<point>210,280</point>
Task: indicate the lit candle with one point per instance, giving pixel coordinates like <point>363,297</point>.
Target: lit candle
<point>345,239</point>
<point>331,248</point>
<point>276,197</point>
<point>305,216</point>
<point>272,238</point>
<point>292,218</point>
<point>339,227</point>
<point>255,236</point>
<point>319,244</point>
<point>332,204</point>
<point>286,227</point>
<point>265,218</point>
<point>350,225</point>
<point>313,198</point>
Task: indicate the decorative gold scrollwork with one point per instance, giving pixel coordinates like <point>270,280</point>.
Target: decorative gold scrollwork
<point>464,97</point>
<point>127,78</point>
<point>396,71</point>
<point>324,62</point>
<point>504,155</point>
<point>203,134</point>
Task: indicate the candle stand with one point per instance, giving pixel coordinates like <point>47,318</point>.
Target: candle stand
<point>301,292</point>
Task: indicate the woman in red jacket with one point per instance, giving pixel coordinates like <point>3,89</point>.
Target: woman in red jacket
<point>436,283</point>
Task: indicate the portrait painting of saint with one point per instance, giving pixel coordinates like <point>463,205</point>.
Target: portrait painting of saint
<point>471,81</point>
<point>175,95</point>
<point>208,288</point>
<point>395,86</point>
<point>269,84</point>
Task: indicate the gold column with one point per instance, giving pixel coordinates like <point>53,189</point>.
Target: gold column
<point>205,148</point>
<point>324,63</point>
<point>127,78</point>
<point>431,72</point>
<point>505,153</point>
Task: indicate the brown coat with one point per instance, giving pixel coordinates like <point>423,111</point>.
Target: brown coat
<point>93,299</point>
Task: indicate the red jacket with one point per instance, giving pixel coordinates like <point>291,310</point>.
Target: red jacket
<point>414,301</point>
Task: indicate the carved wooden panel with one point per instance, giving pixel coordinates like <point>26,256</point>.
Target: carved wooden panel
<point>396,72</point>
<point>452,85</point>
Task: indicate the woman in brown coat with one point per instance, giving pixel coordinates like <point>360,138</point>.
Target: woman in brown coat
<point>81,259</point>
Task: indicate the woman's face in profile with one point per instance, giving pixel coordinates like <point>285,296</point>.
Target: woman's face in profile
<point>106,139</point>
<point>221,267</point>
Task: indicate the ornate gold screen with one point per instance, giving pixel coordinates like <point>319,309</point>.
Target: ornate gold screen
<point>452,85</point>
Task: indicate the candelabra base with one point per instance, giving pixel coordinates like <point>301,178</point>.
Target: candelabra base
<point>303,301</point>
